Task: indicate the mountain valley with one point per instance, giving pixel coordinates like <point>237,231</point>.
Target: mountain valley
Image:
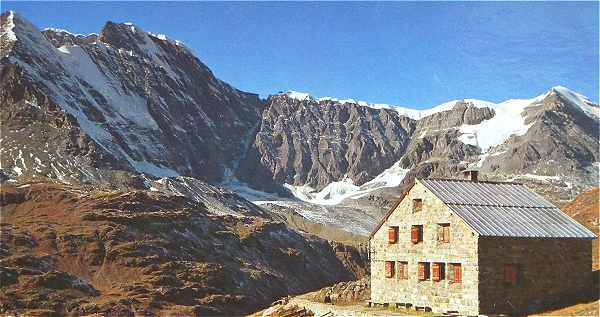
<point>134,181</point>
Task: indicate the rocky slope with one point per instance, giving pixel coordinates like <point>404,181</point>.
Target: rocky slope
<point>80,107</point>
<point>74,250</point>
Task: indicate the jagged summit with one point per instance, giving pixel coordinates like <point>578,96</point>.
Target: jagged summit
<point>580,101</point>
<point>575,98</point>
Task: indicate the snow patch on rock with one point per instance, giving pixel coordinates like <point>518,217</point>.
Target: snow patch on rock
<point>301,96</point>
<point>508,120</point>
<point>336,192</point>
<point>7,30</point>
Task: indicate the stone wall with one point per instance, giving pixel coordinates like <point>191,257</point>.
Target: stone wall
<point>553,270</point>
<point>440,296</point>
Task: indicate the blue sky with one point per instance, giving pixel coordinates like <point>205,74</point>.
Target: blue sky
<point>412,54</point>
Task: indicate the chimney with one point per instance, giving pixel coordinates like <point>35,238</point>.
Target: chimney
<point>470,175</point>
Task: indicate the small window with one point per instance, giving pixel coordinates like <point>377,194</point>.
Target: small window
<point>438,271</point>
<point>392,234</point>
<point>389,269</point>
<point>417,205</point>
<point>455,272</point>
<point>444,232</point>
<point>416,234</point>
<point>403,270</point>
<point>512,275</point>
<point>423,271</point>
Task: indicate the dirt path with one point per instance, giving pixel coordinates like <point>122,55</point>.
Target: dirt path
<point>356,309</point>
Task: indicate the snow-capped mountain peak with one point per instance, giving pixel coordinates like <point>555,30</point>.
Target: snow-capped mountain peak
<point>142,102</point>
<point>578,100</point>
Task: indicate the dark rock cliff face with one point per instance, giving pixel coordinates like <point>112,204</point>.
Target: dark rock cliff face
<point>315,143</point>
<point>309,142</point>
<point>129,100</point>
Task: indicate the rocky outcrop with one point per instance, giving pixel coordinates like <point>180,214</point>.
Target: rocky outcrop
<point>344,292</point>
<point>71,250</point>
<point>125,107</point>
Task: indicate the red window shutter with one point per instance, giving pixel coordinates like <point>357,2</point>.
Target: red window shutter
<point>414,234</point>
<point>421,271</point>
<point>510,274</point>
<point>457,273</point>
<point>392,234</point>
<point>435,270</point>
<point>403,270</point>
<point>389,269</point>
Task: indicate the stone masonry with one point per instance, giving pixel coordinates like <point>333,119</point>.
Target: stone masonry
<point>440,296</point>
<point>552,270</point>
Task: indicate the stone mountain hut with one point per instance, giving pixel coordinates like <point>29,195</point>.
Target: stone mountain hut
<point>471,247</point>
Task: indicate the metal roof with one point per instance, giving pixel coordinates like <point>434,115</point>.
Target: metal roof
<point>505,210</point>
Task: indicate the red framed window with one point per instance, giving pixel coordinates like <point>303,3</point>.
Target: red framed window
<point>423,271</point>
<point>438,271</point>
<point>403,270</point>
<point>392,235</point>
<point>416,234</point>
<point>389,269</point>
<point>417,205</point>
<point>512,274</point>
<point>455,272</point>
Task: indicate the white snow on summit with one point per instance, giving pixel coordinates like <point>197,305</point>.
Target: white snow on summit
<point>120,109</point>
<point>404,111</point>
<point>298,95</point>
<point>579,100</point>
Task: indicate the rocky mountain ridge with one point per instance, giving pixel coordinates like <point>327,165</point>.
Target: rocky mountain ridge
<point>126,107</point>
<point>74,107</point>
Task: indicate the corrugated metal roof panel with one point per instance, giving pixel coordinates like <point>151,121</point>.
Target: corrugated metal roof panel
<point>484,193</point>
<point>506,210</point>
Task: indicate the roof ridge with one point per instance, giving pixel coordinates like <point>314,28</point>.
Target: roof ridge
<point>490,205</point>
<point>468,181</point>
